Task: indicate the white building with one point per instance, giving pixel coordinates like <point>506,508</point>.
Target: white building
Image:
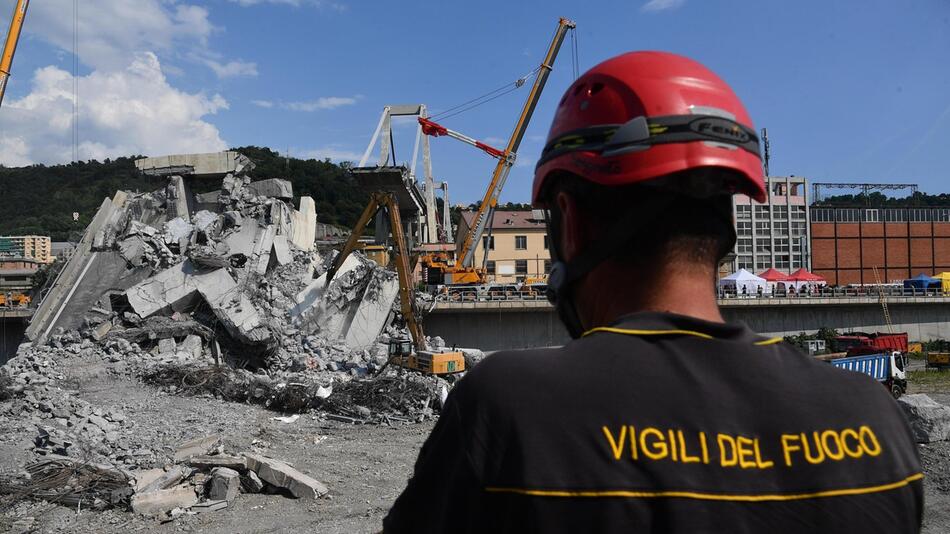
<point>776,233</point>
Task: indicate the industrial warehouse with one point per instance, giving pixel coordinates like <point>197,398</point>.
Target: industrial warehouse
<point>566,281</point>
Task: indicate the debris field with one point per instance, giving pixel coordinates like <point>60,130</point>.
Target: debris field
<point>217,296</point>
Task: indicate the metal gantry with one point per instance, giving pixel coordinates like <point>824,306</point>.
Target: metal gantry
<point>865,188</point>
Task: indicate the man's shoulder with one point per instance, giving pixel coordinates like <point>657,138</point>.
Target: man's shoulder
<point>510,364</point>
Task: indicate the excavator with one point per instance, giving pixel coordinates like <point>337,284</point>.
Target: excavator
<point>412,353</point>
<point>443,268</point>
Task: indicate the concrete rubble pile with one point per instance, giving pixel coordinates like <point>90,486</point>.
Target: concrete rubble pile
<point>202,477</point>
<point>228,285</point>
<point>240,262</point>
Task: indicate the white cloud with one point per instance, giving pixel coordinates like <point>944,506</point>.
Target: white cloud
<point>334,152</point>
<point>495,141</point>
<point>231,68</point>
<point>129,111</point>
<point>255,2</point>
<point>661,5</point>
<point>324,102</point>
<point>263,103</point>
<point>110,32</point>
<point>336,6</point>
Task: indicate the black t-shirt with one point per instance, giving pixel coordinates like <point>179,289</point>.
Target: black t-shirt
<point>664,423</point>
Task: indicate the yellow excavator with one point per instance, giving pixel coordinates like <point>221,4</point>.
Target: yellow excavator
<point>411,353</point>
<point>459,269</point>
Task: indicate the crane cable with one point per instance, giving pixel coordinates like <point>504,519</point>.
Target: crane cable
<point>508,87</point>
<point>485,98</point>
<point>75,125</point>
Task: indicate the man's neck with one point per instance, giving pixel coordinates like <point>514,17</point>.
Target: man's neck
<point>610,292</point>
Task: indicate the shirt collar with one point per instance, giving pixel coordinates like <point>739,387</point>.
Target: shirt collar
<point>658,323</point>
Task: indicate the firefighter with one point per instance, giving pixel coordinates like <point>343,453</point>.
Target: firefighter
<point>658,415</point>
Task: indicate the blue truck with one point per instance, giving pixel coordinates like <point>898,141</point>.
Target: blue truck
<point>885,367</point>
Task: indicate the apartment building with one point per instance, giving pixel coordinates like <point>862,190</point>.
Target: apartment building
<point>516,242</point>
<point>774,233</point>
<point>34,247</point>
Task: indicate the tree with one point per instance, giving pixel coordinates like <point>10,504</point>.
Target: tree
<point>41,199</point>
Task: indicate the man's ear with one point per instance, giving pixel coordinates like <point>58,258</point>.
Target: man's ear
<point>573,234</point>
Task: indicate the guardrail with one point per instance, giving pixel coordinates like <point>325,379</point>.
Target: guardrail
<point>503,295</point>
<point>489,295</point>
<point>836,292</point>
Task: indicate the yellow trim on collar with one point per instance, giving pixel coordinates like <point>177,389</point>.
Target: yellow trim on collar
<point>740,497</point>
<point>638,332</point>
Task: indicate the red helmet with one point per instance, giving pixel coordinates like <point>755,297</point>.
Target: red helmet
<point>643,115</point>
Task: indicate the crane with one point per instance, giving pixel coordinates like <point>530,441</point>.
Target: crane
<point>9,48</point>
<point>463,271</point>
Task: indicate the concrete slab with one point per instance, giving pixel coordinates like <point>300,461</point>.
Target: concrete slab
<point>132,249</point>
<point>162,501</point>
<point>242,240</point>
<point>304,224</point>
<point>238,463</point>
<point>177,289</point>
<point>279,474</point>
<point>373,310</point>
<point>260,256</point>
<point>177,195</point>
<point>224,485</point>
<point>166,480</point>
<point>207,164</point>
<point>272,187</point>
<point>281,250</point>
<point>325,314</point>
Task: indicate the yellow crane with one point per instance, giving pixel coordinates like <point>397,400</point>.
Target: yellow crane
<point>462,270</point>
<point>9,48</point>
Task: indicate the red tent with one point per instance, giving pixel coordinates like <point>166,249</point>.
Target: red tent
<point>802,275</point>
<point>773,275</point>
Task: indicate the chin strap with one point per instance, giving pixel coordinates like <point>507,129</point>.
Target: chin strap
<point>561,280</point>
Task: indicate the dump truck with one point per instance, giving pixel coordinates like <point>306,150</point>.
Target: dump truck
<point>885,367</point>
<point>858,343</point>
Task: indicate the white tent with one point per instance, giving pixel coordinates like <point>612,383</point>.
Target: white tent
<point>744,283</point>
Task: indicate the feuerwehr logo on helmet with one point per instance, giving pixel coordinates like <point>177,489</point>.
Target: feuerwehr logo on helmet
<point>721,128</point>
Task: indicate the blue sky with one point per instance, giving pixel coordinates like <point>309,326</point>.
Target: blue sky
<point>850,91</point>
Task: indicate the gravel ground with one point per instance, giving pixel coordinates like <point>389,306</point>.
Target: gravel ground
<point>365,467</point>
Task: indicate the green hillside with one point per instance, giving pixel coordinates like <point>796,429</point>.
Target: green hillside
<point>41,199</point>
